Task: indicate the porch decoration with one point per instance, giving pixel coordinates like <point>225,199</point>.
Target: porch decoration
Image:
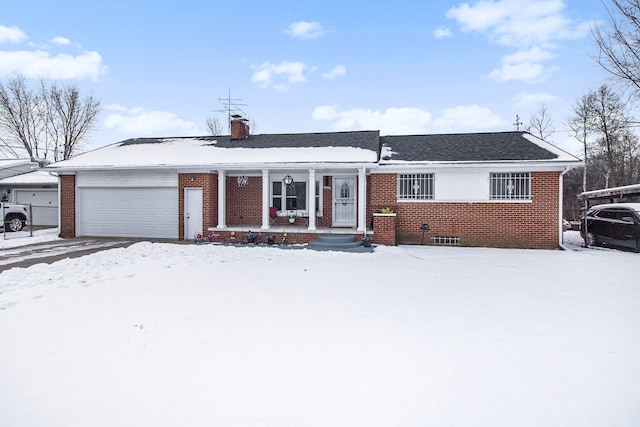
<point>292,216</point>
<point>242,181</point>
<point>288,180</point>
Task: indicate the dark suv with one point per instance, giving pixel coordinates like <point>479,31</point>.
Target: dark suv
<point>615,224</point>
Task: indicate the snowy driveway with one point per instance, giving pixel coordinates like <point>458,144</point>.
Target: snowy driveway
<point>50,249</point>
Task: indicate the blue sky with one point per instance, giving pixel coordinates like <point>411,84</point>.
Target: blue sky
<point>160,68</point>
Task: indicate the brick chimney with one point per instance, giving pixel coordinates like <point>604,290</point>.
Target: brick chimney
<point>239,127</point>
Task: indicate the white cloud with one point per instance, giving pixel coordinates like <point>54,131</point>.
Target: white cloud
<point>142,122</point>
<point>61,40</point>
<point>11,34</point>
<point>518,22</point>
<point>337,71</point>
<point>39,63</point>
<point>407,121</point>
<point>116,107</point>
<point>324,112</point>
<point>442,33</point>
<point>524,65</point>
<point>305,30</point>
<point>393,121</point>
<point>534,29</point>
<point>535,54</point>
<point>279,76</point>
<point>467,118</point>
<point>525,72</point>
<point>532,100</point>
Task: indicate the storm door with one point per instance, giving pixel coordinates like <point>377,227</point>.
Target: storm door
<point>344,202</point>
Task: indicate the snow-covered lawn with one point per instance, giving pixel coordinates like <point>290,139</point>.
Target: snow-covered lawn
<point>23,238</point>
<point>201,335</point>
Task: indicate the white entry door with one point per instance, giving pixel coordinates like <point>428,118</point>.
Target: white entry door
<point>192,212</point>
<point>344,201</point>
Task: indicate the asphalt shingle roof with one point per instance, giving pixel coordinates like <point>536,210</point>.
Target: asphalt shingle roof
<point>368,140</point>
<point>462,147</point>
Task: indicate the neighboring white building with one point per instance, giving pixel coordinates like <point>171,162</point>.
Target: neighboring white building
<point>39,189</point>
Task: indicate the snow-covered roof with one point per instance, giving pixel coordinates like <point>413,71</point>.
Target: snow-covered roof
<point>614,192</point>
<point>39,177</point>
<point>336,147</point>
<point>10,163</point>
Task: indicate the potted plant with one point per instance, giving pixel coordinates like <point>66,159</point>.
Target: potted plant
<point>251,237</point>
<point>292,216</point>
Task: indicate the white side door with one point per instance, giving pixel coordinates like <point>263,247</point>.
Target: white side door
<point>192,212</point>
<point>344,201</point>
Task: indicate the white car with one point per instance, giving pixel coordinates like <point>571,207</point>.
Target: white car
<point>15,216</point>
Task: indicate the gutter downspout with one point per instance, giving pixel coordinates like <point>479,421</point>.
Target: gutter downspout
<point>560,208</point>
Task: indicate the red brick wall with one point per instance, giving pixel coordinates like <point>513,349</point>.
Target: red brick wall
<point>385,229</point>
<point>501,224</point>
<point>209,184</point>
<point>244,204</point>
<point>327,206</point>
<point>68,206</point>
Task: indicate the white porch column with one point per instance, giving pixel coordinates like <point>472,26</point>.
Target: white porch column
<point>222,196</point>
<point>265,199</point>
<point>362,200</point>
<point>312,199</point>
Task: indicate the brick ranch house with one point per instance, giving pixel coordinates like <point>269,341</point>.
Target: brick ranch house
<point>501,189</point>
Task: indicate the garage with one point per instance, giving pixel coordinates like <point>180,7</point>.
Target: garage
<point>148,210</point>
<point>44,205</point>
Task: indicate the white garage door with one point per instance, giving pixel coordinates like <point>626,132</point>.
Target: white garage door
<point>44,205</point>
<point>128,212</point>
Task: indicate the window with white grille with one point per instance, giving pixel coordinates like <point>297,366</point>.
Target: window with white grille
<point>415,186</point>
<point>511,186</point>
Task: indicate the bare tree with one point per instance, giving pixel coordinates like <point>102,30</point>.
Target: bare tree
<point>540,124</point>
<point>619,49</point>
<point>71,118</point>
<point>610,120</point>
<point>581,126</point>
<point>46,124</point>
<point>601,123</point>
<point>214,127</point>
<point>22,120</point>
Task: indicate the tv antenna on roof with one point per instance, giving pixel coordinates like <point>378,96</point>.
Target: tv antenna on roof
<point>517,123</point>
<point>231,107</point>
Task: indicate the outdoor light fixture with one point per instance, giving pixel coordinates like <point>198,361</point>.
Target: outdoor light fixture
<point>242,181</point>
<point>288,180</point>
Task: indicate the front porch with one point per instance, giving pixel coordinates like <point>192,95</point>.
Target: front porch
<point>231,203</point>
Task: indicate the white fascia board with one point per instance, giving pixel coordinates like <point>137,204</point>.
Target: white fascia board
<point>215,167</point>
<point>562,155</point>
<point>510,166</point>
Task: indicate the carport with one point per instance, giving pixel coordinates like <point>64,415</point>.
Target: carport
<point>612,194</point>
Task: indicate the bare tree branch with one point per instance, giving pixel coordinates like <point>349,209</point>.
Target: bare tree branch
<point>47,124</point>
<point>619,49</point>
<point>540,124</point>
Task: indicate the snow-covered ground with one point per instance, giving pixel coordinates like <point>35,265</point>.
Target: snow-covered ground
<point>23,238</point>
<point>164,334</point>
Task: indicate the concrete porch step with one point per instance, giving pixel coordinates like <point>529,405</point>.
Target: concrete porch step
<point>333,242</point>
